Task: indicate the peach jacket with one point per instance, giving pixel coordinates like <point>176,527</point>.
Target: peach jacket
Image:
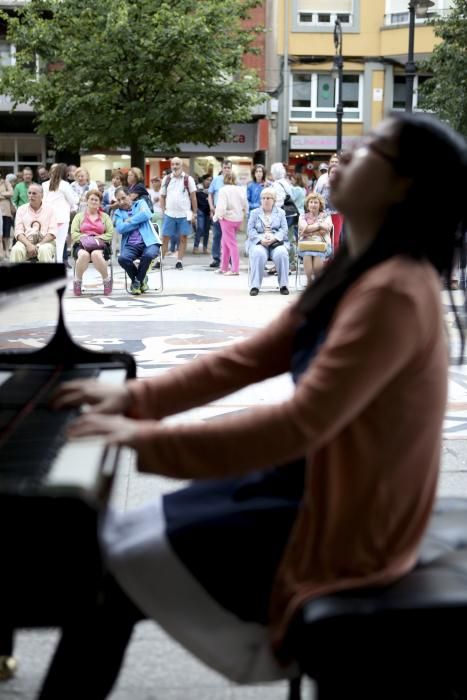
<point>367,414</point>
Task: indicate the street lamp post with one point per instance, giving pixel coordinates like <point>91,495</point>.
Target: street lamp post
<point>419,8</point>
<point>338,65</point>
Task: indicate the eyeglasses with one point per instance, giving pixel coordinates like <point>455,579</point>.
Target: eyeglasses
<point>371,145</point>
<point>266,197</point>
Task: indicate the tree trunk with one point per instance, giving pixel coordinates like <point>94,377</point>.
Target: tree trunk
<point>137,156</point>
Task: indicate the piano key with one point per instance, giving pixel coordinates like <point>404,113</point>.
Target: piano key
<point>4,376</point>
<point>78,463</point>
<point>112,376</point>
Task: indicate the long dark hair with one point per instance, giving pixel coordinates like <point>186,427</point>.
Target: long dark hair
<point>412,227</point>
<point>58,172</point>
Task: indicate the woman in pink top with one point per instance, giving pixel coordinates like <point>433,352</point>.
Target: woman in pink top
<point>231,209</point>
<point>59,195</point>
<point>329,490</point>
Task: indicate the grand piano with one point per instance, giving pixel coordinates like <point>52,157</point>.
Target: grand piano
<point>52,490</point>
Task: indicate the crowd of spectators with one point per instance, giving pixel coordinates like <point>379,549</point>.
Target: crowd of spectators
<point>84,218</point>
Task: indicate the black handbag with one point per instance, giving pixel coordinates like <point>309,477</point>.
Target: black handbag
<point>290,208</point>
<point>275,244</point>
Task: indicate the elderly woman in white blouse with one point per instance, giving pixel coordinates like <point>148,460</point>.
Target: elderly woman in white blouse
<point>267,240</point>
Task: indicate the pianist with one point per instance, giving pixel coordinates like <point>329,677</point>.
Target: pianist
<point>40,215</point>
<point>329,490</point>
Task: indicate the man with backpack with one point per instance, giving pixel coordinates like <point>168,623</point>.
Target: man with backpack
<point>284,199</point>
<point>179,206</point>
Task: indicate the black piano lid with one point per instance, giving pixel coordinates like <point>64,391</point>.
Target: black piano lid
<point>26,280</point>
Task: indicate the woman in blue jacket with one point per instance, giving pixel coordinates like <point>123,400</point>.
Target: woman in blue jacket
<point>256,186</point>
<point>132,220</point>
<point>268,240</point>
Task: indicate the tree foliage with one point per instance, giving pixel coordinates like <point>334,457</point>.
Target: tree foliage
<point>446,92</point>
<point>135,72</point>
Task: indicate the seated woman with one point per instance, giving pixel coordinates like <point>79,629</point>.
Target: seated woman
<point>268,240</point>
<point>140,241</point>
<point>314,226</point>
<point>91,236</point>
<point>327,491</point>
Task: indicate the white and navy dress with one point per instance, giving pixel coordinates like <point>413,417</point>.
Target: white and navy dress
<point>201,561</point>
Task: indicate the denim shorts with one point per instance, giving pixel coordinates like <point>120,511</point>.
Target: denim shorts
<point>175,227</point>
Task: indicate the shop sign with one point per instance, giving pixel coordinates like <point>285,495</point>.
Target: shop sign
<point>243,140</point>
<point>320,143</point>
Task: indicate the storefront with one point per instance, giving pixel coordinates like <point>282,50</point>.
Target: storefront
<point>308,151</point>
<point>246,146</point>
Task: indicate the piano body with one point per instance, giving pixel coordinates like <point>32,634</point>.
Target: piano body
<point>51,490</point>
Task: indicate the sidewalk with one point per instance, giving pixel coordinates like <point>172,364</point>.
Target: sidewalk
<point>198,312</point>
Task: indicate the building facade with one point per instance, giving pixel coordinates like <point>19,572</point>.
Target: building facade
<point>249,142</point>
<point>375,35</point>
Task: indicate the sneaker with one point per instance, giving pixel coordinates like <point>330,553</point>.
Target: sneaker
<point>205,251</point>
<point>284,290</point>
<point>77,288</point>
<point>230,273</point>
<point>254,291</point>
<point>157,265</point>
<point>179,265</point>
<point>195,251</point>
<point>107,287</point>
<point>215,263</point>
<point>144,285</point>
<point>135,287</point>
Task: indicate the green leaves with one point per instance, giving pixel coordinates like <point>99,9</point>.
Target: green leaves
<point>446,93</point>
<point>123,72</point>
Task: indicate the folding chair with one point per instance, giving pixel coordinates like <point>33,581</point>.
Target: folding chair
<point>299,267</point>
<point>109,262</point>
<point>156,264</point>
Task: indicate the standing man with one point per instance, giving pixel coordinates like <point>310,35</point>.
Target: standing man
<point>42,174</point>
<point>20,194</point>
<point>323,179</point>
<point>35,229</point>
<point>179,207</point>
<point>214,188</point>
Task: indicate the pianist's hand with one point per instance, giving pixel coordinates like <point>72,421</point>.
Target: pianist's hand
<point>117,430</point>
<point>104,398</point>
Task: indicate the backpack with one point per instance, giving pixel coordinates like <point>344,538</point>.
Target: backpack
<point>168,179</point>
<point>290,208</point>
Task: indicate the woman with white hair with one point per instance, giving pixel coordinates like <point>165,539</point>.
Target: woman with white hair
<point>284,194</point>
<point>267,240</point>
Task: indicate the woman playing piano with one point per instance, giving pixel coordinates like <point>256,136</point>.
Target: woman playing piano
<point>302,498</point>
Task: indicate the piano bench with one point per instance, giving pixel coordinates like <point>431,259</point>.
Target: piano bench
<point>400,642</point>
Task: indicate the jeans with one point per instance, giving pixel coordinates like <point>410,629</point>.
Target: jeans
<point>203,223</point>
<point>216,241</point>
<point>130,253</point>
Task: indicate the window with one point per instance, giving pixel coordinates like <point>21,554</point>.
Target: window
<point>323,13</point>
<point>16,151</point>
<point>6,54</point>
<point>398,98</point>
<point>399,17</point>
<point>314,96</point>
